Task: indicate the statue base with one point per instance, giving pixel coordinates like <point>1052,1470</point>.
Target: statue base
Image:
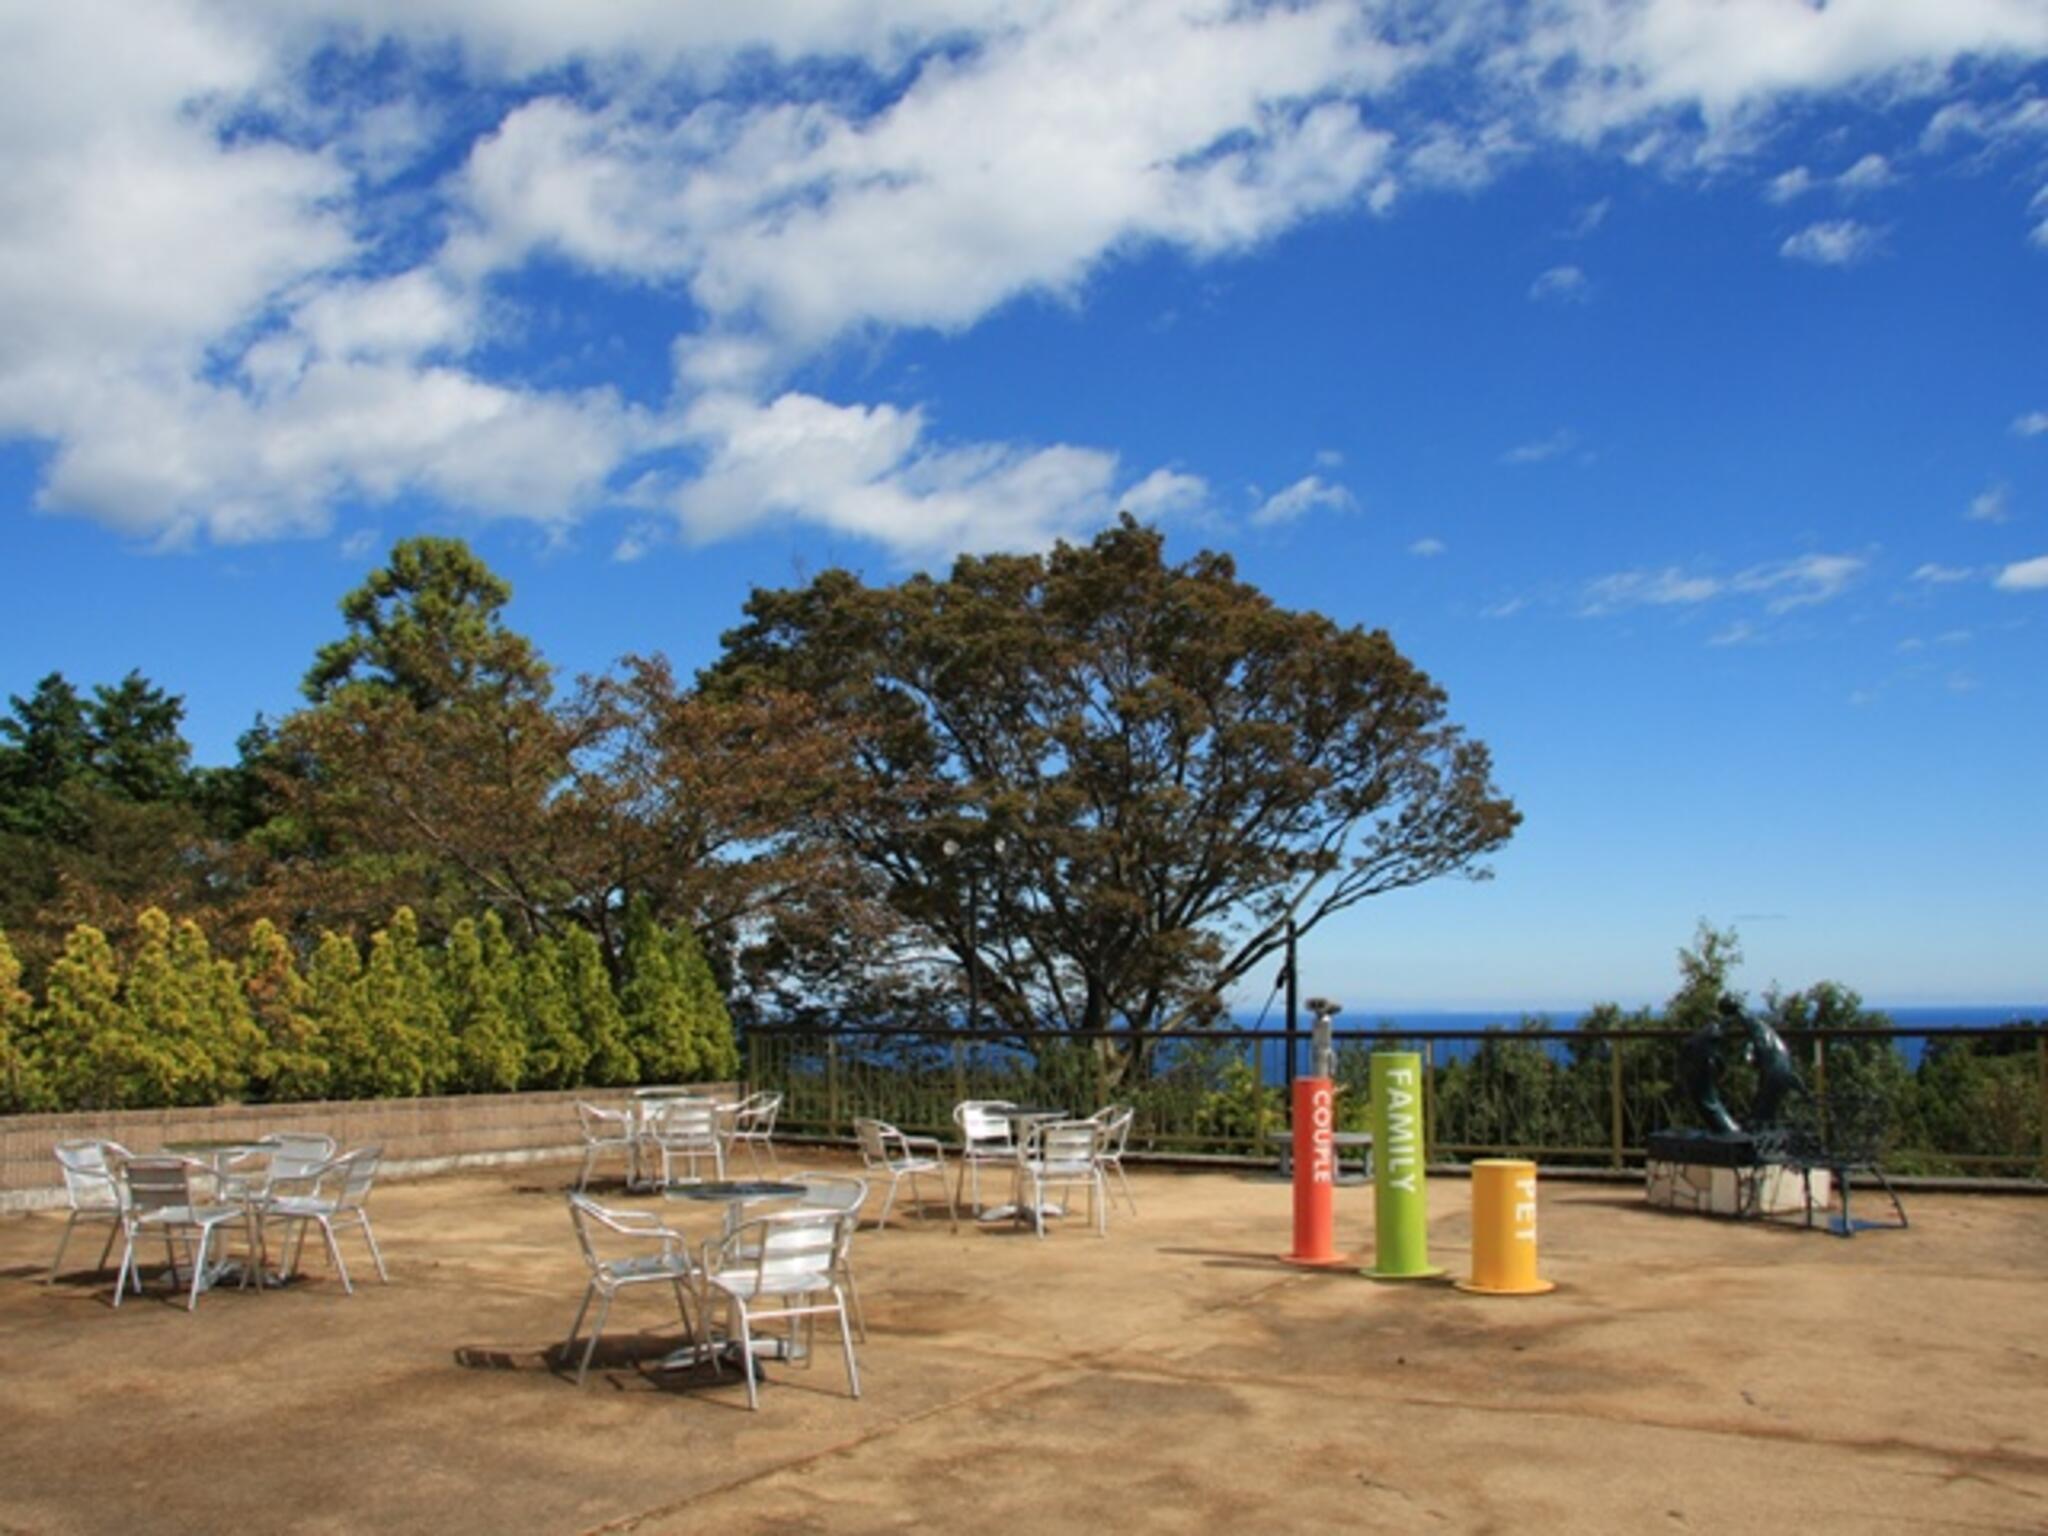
<point>1716,1189</point>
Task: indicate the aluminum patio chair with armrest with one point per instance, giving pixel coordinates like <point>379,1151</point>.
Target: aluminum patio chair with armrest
<point>624,1248</point>
<point>689,1129</point>
<point>1063,1154</point>
<point>281,1163</point>
<point>93,1190</point>
<point>162,1197</point>
<point>1116,1120</point>
<point>753,1127</point>
<point>886,1152</point>
<point>335,1195</point>
<point>605,1130</point>
<point>986,1137</point>
<point>780,1268</point>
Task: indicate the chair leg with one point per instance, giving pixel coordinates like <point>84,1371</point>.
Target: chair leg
<point>860,1318</point>
<point>576,1327</point>
<point>371,1238</point>
<point>199,1268</point>
<point>888,1201</point>
<point>113,1231</point>
<point>583,1178</point>
<point>334,1253</point>
<point>69,1222</point>
<point>127,1261</point>
<point>596,1333</point>
<point>846,1344</point>
<point>747,1354</point>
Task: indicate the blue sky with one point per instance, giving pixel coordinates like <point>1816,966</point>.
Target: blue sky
<point>1667,377</point>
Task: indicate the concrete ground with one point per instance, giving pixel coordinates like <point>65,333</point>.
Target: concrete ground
<point>1687,1375</point>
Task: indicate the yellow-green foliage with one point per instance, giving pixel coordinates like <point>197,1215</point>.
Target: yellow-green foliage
<point>595,1006</point>
<point>20,1087</point>
<point>482,996</point>
<point>289,1063</point>
<point>556,1052</point>
<point>84,1030</point>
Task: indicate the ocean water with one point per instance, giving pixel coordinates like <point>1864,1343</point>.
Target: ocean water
<point>1414,1025</point>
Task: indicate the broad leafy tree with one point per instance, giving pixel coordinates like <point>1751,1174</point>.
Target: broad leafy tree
<point>1102,784</point>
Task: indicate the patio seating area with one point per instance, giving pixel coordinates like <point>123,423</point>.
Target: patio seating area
<point>1686,1374</point>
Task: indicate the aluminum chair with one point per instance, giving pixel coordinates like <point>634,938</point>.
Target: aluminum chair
<point>93,1190</point>
<point>624,1249</point>
<point>1115,1120</point>
<point>283,1162</point>
<point>604,1130</point>
<point>846,1194</point>
<point>338,1191</point>
<point>986,1136</point>
<point>1063,1154</point>
<point>781,1268</point>
<point>689,1129</point>
<point>161,1198</point>
<point>887,1153</point>
<point>753,1126</point>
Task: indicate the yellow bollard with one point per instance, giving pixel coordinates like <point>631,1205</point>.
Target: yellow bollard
<point>1504,1229</point>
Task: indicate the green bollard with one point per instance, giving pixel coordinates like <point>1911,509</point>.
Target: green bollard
<point>1400,1205</point>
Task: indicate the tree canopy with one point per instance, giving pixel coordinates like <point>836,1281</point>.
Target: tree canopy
<point>1103,783</point>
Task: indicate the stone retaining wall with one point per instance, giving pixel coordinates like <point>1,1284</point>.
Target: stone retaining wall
<point>419,1136</point>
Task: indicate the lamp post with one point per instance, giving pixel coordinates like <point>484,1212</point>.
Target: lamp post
<point>953,849</point>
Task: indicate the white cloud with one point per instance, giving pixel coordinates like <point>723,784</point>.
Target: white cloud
<point>2024,576</point>
<point>1801,582</point>
<point>869,471</point>
<point>1426,548</point>
<point>1329,458</point>
<point>1541,449</point>
<point>1869,174</point>
<point>2033,424</point>
<point>1561,285</point>
<point>1832,243</point>
<point>1788,185</point>
<point>1669,587</point>
<point>1941,575</point>
<point>1589,218</point>
<point>1740,632</point>
<point>1300,498</point>
<point>223,311</point>
<point>1163,493</point>
<point>1993,504</point>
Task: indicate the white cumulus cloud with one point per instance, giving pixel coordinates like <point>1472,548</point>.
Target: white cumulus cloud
<point>1832,243</point>
<point>1561,285</point>
<point>2024,576</point>
<point>1301,498</point>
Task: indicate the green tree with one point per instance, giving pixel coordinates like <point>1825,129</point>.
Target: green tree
<point>661,1026</point>
<point>1105,784</point>
<point>717,1051</point>
<point>411,1050</point>
<point>334,1008</point>
<point>556,1051</point>
<point>483,999</point>
<point>428,627</point>
<point>169,1061</point>
<point>21,1088</point>
<point>595,1004</point>
<point>224,1036</point>
<point>139,752</point>
<point>289,1064</point>
<point>88,1050</point>
<point>45,745</point>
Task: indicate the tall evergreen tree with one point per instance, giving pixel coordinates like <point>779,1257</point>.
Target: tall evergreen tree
<point>412,1048</point>
<point>21,1087</point>
<point>599,1019</point>
<point>139,751</point>
<point>45,746</point>
<point>168,1061</point>
<point>482,998</point>
<point>717,1052</point>
<point>334,1008</point>
<point>289,1065</point>
<point>224,1036</point>
<point>85,1031</point>
<point>556,1051</point>
<point>657,1004</point>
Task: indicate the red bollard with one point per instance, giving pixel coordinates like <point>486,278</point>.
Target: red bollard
<point>1315,1173</point>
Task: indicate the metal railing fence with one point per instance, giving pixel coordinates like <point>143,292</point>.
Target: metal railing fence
<point>1964,1101</point>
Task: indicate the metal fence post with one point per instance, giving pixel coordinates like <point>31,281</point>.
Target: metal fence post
<point>1614,1090</point>
<point>1428,1105</point>
<point>831,1086</point>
